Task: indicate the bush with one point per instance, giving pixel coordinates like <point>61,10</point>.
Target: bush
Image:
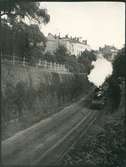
<point>104,146</point>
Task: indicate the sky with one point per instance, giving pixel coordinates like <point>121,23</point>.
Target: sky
<point>97,22</point>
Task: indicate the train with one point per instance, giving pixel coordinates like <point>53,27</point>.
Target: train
<point>98,99</point>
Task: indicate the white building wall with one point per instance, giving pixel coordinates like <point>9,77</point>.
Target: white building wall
<point>74,48</point>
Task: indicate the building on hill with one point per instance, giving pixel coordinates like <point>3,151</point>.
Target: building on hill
<point>73,45</point>
<point>109,52</point>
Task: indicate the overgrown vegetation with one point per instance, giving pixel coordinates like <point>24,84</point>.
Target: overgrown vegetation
<point>81,64</point>
<point>105,145</point>
<point>86,59</point>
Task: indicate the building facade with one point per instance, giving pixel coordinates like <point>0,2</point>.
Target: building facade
<point>73,45</point>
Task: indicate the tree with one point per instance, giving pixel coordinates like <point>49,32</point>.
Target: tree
<point>114,93</point>
<point>119,71</point>
<point>86,59</point>
<point>119,64</point>
<point>114,90</point>
<point>73,65</point>
<point>16,10</point>
<point>63,56</point>
<point>49,57</point>
<point>6,39</point>
<point>36,42</point>
<point>23,39</point>
<point>118,76</point>
<point>61,53</point>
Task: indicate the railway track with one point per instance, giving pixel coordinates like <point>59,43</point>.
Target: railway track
<point>64,144</point>
<point>48,141</point>
<point>82,133</point>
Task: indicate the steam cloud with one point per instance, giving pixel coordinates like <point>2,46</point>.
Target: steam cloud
<point>102,70</point>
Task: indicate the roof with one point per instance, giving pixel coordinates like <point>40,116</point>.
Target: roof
<point>73,40</point>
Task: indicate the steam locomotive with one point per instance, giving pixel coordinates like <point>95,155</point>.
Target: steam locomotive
<point>98,100</point>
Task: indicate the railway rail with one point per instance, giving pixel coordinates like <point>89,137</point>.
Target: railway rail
<point>54,155</point>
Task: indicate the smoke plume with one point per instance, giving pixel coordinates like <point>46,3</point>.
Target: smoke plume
<point>102,70</point>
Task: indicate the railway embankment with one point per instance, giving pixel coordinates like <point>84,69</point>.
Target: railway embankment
<point>46,142</point>
<point>31,93</point>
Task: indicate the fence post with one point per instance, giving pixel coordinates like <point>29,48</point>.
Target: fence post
<point>54,66</point>
<point>42,63</point>
<point>23,61</point>
<point>13,60</point>
<point>62,68</point>
<point>45,64</point>
<point>51,65</point>
<point>58,67</point>
<point>39,62</point>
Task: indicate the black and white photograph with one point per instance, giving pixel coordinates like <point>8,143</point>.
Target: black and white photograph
<point>63,83</point>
